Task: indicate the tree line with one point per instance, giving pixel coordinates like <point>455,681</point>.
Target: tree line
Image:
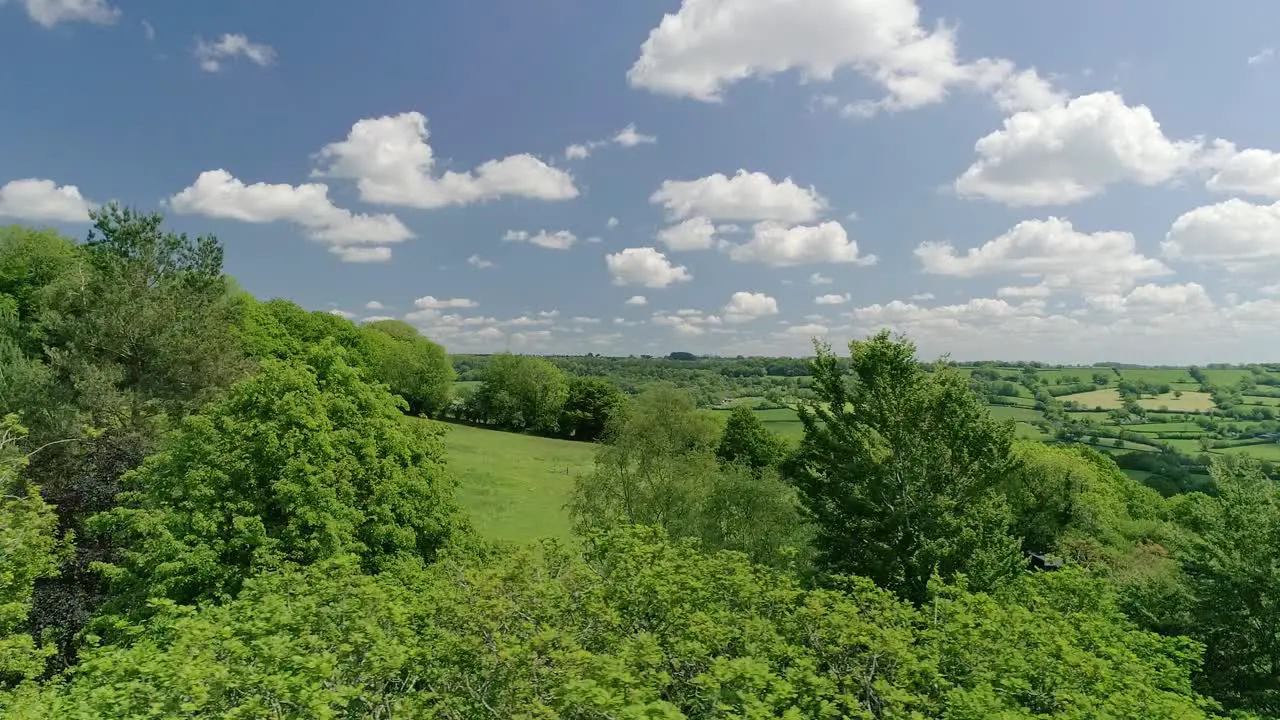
<point>214,506</point>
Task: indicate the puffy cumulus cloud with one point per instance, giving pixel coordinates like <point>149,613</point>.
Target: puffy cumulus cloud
<point>558,240</point>
<point>1237,235</point>
<point>781,246</point>
<point>1052,250</point>
<point>745,196</point>
<point>37,200</point>
<point>230,46</point>
<point>819,279</point>
<point>637,300</point>
<point>686,321</point>
<point>353,237</point>
<point>389,159</point>
<point>1252,171</point>
<point>612,222</point>
<point>645,266</point>
<point>626,137</point>
<point>584,320</point>
<point>748,306</point>
<point>708,45</point>
<point>342,313</point>
<point>374,305</point>
<point>478,262</point>
<point>1069,151</point>
<point>832,299</point>
<point>696,233</point>
<point>48,13</point>
<point>922,297</point>
<point>1150,299</point>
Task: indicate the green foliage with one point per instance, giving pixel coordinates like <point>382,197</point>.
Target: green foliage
<point>748,442</point>
<point>300,463</point>
<point>900,471</point>
<point>415,368</point>
<point>29,549</point>
<point>635,627</point>
<point>658,468</point>
<point>522,392</point>
<point>590,405</point>
<point>1235,579</point>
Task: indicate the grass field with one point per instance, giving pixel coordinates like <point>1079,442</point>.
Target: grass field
<point>1269,451</point>
<point>1106,399</point>
<point>1004,412</point>
<point>515,487</point>
<point>1189,402</point>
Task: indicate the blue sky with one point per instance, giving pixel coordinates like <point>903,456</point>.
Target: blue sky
<point>1065,182</point>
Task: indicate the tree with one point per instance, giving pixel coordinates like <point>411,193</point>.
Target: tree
<point>747,441</point>
<point>631,626</point>
<point>590,404</point>
<point>1235,581</point>
<point>29,549</point>
<point>522,392</point>
<point>900,468</point>
<point>300,463</point>
<point>658,468</point>
<point>415,368</point>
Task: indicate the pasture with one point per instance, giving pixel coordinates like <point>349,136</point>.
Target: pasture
<point>515,487</point>
<point>1188,402</point>
<point>1106,398</point>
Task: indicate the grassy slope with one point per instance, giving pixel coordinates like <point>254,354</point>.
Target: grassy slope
<point>516,486</point>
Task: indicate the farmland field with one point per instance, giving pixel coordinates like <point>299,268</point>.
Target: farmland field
<point>1268,451</point>
<point>1105,399</point>
<point>515,487</point>
<point>1189,402</point>
<point>1001,412</point>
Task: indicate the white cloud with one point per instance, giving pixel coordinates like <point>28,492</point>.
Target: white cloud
<point>342,313</point>
<point>1070,151</point>
<point>780,246</point>
<point>709,45</point>
<point>1150,299</point>
<point>218,194</point>
<point>374,305</point>
<point>922,297</point>
<point>1237,235</point>
<point>748,306</point>
<point>584,320</point>
<point>392,164</point>
<point>429,302</point>
<point>687,321</point>
<point>819,279</point>
<point>745,196</point>
<point>37,200</point>
<point>230,46</point>
<point>1251,171</point>
<point>629,137</point>
<point>1025,291</point>
<point>148,31</point>
<point>645,266</point>
<point>613,222</point>
<point>48,13</point>
<point>626,137</point>
<point>637,300</point>
<point>696,233</point>
<point>1053,251</point>
<point>808,330</point>
<point>558,240</point>
<point>359,254</point>
<point>832,299</point>
<point>479,262</point>
<point>1263,55</point>
<point>376,318</point>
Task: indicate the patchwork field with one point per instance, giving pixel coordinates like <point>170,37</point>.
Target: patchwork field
<point>1107,399</point>
<point>1188,402</point>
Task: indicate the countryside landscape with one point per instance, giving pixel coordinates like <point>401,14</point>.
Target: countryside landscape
<point>664,360</point>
